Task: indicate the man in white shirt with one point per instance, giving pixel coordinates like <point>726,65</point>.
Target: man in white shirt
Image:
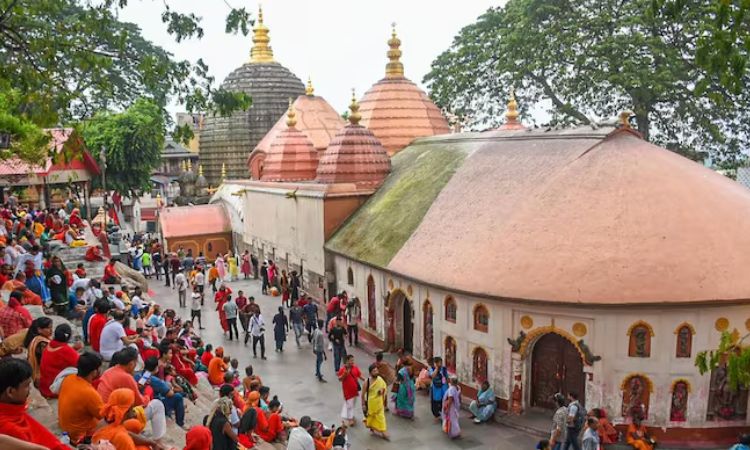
<point>257,330</point>
<point>181,283</point>
<point>200,282</point>
<point>113,338</point>
<point>591,436</point>
<point>299,437</point>
<point>136,303</point>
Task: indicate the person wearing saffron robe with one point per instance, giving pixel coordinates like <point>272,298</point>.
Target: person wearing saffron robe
<point>117,411</point>
<point>451,409</point>
<point>607,432</point>
<point>97,322</point>
<point>181,364</point>
<point>484,406</point>
<point>272,430</point>
<point>198,438</point>
<point>110,273</point>
<point>15,387</point>
<point>637,436</point>
<point>37,338</point>
<point>18,284</point>
<point>373,401</point>
<point>56,357</point>
<point>404,398</point>
<point>213,276</point>
<point>79,405</point>
<point>206,356</point>
<point>221,298</point>
<point>216,369</point>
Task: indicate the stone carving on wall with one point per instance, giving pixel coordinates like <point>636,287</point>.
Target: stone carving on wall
<point>450,354</point>
<point>479,365</point>
<point>678,409</point>
<point>636,392</point>
<point>588,356</point>
<point>515,344</point>
<point>516,398</point>
<point>428,329</point>
<point>725,403</point>
<point>639,345</point>
<point>684,342</point>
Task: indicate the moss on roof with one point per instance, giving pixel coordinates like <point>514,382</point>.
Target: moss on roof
<point>376,232</point>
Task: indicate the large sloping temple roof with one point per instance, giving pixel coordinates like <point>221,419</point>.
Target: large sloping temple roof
<point>197,220</point>
<point>576,216</point>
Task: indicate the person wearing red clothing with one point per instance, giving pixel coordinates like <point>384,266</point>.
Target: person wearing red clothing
<point>207,355</point>
<point>270,425</point>
<point>15,387</point>
<point>56,356</point>
<point>110,273</point>
<point>349,375</point>
<point>97,322</point>
<point>221,297</point>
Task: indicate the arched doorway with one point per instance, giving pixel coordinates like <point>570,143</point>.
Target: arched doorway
<point>401,326</point>
<point>556,366</point>
<point>371,307</point>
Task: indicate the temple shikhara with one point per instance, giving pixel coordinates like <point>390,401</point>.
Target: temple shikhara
<point>585,260</point>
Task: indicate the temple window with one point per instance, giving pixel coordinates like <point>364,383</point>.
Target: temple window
<point>639,345</point>
<point>481,318</point>
<point>636,393</point>
<point>684,340</point>
<point>350,277</point>
<point>450,354</point>
<point>479,363</point>
<point>451,309</point>
<point>428,332</point>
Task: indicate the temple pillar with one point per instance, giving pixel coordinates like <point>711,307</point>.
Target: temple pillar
<point>86,200</point>
<point>516,395</point>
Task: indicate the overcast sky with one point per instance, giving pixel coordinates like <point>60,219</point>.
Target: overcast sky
<point>340,44</point>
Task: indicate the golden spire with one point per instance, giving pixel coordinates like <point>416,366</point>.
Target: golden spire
<point>261,51</point>
<point>511,115</point>
<point>354,116</point>
<point>183,166</point>
<point>291,116</point>
<point>200,170</point>
<point>223,171</point>
<point>625,119</point>
<point>394,68</point>
<point>309,90</point>
<point>189,165</point>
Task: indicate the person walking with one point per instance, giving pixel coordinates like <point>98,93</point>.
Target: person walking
<point>195,307</point>
<point>200,283</point>
<point>559,425</point>
<point>451,409</point>
<point>295,318</point>
<point>181,283</point>
<point>246,264</point>
<point>231,311</point>
<point>439,375</point>
<point>337,336</point>
<point>166,264</point>
<point>258,330</point>
<point>319,348</point>
<point>591,436</point>
<point>254,263</point>
<point>280,329</point>
<point>575,420</point>
<point>353,314</point>
<point>311,314</point>
<point>264,277</point>
<point>373,404</point>
<point>349,376</point>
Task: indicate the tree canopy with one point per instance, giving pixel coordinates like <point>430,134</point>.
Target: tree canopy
<point>66,60</point>
<point>586,61</point>
<point>133,141</point>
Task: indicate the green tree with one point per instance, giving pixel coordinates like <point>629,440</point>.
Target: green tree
<point>586,61</point>
<point>731,352</point>
<point>68,59</point>
<point>133,141</point>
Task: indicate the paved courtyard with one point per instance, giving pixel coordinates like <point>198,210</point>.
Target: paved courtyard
<point>291,376</point>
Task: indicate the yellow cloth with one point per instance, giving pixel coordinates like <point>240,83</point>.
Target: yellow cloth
<point>375,407</point>
<point>78,407</point>
<point>637,432</point>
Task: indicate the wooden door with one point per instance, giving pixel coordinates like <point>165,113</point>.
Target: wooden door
<point>408,327</point>
<point>556,366</point>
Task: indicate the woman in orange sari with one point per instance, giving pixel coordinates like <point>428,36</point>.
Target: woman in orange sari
<point>122,420</point>
<point>637,435</point>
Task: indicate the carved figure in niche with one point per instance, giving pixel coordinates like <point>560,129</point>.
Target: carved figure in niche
<point>635,397</point>
<point>450,354</point>
<point>723,401</point>
<point>479,365</point>
<point>391,327</point>
<point>640,342</point>
<point>684,342</point>
<point>428,331</point>
<point>589,357</point>
<point>678,411</point>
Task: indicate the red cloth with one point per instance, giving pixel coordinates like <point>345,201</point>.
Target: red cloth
<point>349,383</point>
<point>110,271</point>
<point>333,305</point>
<point>56,356</point>
<point>199,438</point>
<point>17,423</point>
<point>96,325</point>
<point>270,427</point>
<point>206,358</point>
<point>13,320</point>
<point>183,369</point>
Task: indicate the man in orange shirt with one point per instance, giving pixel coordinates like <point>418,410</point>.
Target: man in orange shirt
<point>217,367</point>
<point>79,404</point>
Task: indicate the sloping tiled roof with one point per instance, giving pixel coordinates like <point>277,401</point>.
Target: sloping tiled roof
<point>567,217</point>
<point>80,159</point>
<point>173,149</point>
<point>198,220</point>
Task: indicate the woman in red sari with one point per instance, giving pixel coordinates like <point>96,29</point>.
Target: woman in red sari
<point>58,355</point>
<point>182,366</point>
<point>220,299</point>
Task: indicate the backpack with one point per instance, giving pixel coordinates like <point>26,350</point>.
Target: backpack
<point>580,417</point>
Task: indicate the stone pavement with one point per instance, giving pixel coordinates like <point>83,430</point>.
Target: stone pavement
<point>291,376</point>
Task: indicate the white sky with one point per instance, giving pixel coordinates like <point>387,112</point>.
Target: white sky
<point>341,44</point>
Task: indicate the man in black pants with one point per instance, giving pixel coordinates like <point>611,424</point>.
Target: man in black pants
<point>231,311</point>
<point>257,330</point>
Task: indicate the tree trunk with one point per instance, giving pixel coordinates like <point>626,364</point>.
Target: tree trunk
<point>643,122</point>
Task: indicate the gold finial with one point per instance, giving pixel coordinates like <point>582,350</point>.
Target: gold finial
<point>189,165</point>
<point>511,115</point>
<point>394,68</point>
<point>291,116</point>
<point>183,166</point>
<point>354,116</point>
<point>200,170</point>
<point>625,119</point>
<point>223,171</point>
<point>309,90</point>
<point>261,51</point>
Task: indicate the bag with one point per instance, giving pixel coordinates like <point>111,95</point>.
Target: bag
<point>367,399</point>
<point>580,417</point>
<point>359,386</point>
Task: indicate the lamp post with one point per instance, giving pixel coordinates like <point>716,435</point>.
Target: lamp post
<point>103,159</point>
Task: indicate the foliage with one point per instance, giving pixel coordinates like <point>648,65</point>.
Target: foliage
<point>133,141</point>
<point>585,62</point>
<point>69,59</point>
<point>27,140</point>
<point>732,353</point>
